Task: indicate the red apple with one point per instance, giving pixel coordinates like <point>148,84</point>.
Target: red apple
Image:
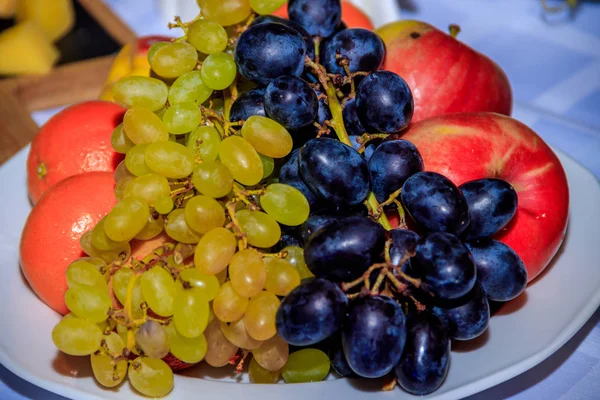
<point>471,146</point>
<point>445,75</point>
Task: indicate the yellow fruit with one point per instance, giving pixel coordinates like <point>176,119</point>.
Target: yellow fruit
<point>56,17</point>
<point>7,8</point>
<point>26,50</point>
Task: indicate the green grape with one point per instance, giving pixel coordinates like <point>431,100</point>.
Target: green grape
<point>149,188</point>
<point>268,165</point>
<point>178,229</point>
<point>127,218</point>
<point>306,365</point>
<point>214,251</point>
<point>207,36</point>
<point>282,277</point>
<point>182,118</point>
<point>151,377</point>
<point>82,272</point>
<point>77,336</point>
<point>174,60</point>
<point>153,228</point>
<point>219,71</point>
<point>264,7</point>
<point>121,252</point>
<point>242,160</point>
<point>88,302</point>
<point>236,333</point>
<point>207,284</point>
<point>286,204</point>
<point>143,126</point>
<point>247,273</point>
<point>205,142</point>
<point>203,213</point>
<point>169,159</point>
<point>211,178</point>
<point>121,172</point>
<point>107,372</point>
<point>119,140</point>
<point>163,204</point>
<point>140,91</point>
<point>220,350</point>
<point>159,290</point>
<point>189,87</point>
<point>135,160</point>
<point>267,136</point>
<point>260,316</point>
<point>295,255</point>
<point>273,354</point>
<point>188,350</point>
<point>261,229</point>
<point>229,306</point>
<point>152,338</point>
<point>154,48</point>
<point>121,186</point>
<point>260,375</point>
<point>226,12</point>
<point>190,312</point>
<point>120,283</point>
<point>100,239</point>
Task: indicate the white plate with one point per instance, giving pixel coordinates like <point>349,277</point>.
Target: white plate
<point>524,333</point>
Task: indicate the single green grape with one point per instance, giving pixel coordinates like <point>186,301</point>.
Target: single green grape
<point>188,350</point>
<point>107,372</point>
<point>119,140</point>
<point>121,172</point>
<point>152,229</point>
<point>140,91</point>
<point>169,159</point>
<point>159,290</point>
<point>189,87</point>
<point>282,277</point>
<point>77,336</point>
<point>127,218</point>
<point>214,251</point>
<point>163,204</point>
<point>143,126</point>
<point>286,204</point>
<point>306,365</point>
<point>242,160</point>
<point>220,350</point>
<point>178,229</point>
<point>203,213</point>
<point>152,338</point>
<point>119,253</point>
<point>151,377</point>
<point>207,36</point>
<point>295,256</point>
<point>100,239</point>
<point>268,164</point>
<point>148,187</point>
<point>205,142</point>
<point>182,118</point>
<point>120,282</point>
<point>190,312</point>
<point>267,136</point>
<point>88,302</point>
<point>247,273</point>
<point>259,374</point>
<point>261,229</point>
<point>236,333</point>
<point>207,284</point>
<point>212,178</point>
<point>260,316</point>
<point>82,272</point>
<point>154,48</point>
<point>264,7</point>
<point>273,354</point>
<point>121,186</point>
<point>229,306</point>
<point>135,160</point>
<point>226,12</point>
<point>174,60</point>
<point>219,71</point>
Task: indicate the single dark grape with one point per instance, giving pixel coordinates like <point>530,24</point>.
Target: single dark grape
<point>384,102</point>
<point>290,101</point>
<point>373,335</point>
<point>337,357</point>
<point>344,250</point>
<point>318,17</point>
<point>492,204</point>
<point>426,357</point>
<point>363,49</point>
<point>444,265</point>
<point>353,125</point>
<point>248,104</point>
<point>267,51</point>
<point>310,45</point>
<point>335,172</point>
<point>499,269</point>
<point>311,312</point>
<point>290,175</point>
<point>435,203</point>
<point>315,222</point>
<point>392,163</point>
<point>404,243</point>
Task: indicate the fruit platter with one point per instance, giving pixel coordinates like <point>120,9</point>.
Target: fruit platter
<point>283,201</point>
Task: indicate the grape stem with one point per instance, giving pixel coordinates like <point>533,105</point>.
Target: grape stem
<point>337,123</point>
<point>243,240</point>
<point>367,137</point>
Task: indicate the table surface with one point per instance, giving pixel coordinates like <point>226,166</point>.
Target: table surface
<point>553,64</point>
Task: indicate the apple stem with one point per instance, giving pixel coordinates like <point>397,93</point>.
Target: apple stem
<point>454,30</point>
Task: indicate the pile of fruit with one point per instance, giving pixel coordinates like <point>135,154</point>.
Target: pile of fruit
<point>277,209</point>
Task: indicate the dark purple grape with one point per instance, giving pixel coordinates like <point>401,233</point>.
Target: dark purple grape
<point>318,17</point>
<point>492,204</point>
<point>335,172</point>
<point>392,163</point>
<point>311,312</point>
<point>290,175</point>
<point>384,102</point>
<point>444,265</point>
<point>310,45</point>
<point>344,250</point>
<point>499,269</point>
<point>267,51</point>
<point>426,357</point>
<point>373,335</point>
<point>342,25</point>
<point>363,48</point>
<point>435,203</point>
<point>290,101</point>
<point>247,105</point>
<point>469,320</point>
<point>404,242</point>
<point>351,121</point>
<point>337,357</point>
<point>315,222</point>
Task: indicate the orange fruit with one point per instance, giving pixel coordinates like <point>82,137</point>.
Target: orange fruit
<point>352,16</point>
<point>50,238</point>
<point>74,141</point>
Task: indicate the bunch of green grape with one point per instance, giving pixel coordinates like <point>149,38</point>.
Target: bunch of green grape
<point>210,290</point>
